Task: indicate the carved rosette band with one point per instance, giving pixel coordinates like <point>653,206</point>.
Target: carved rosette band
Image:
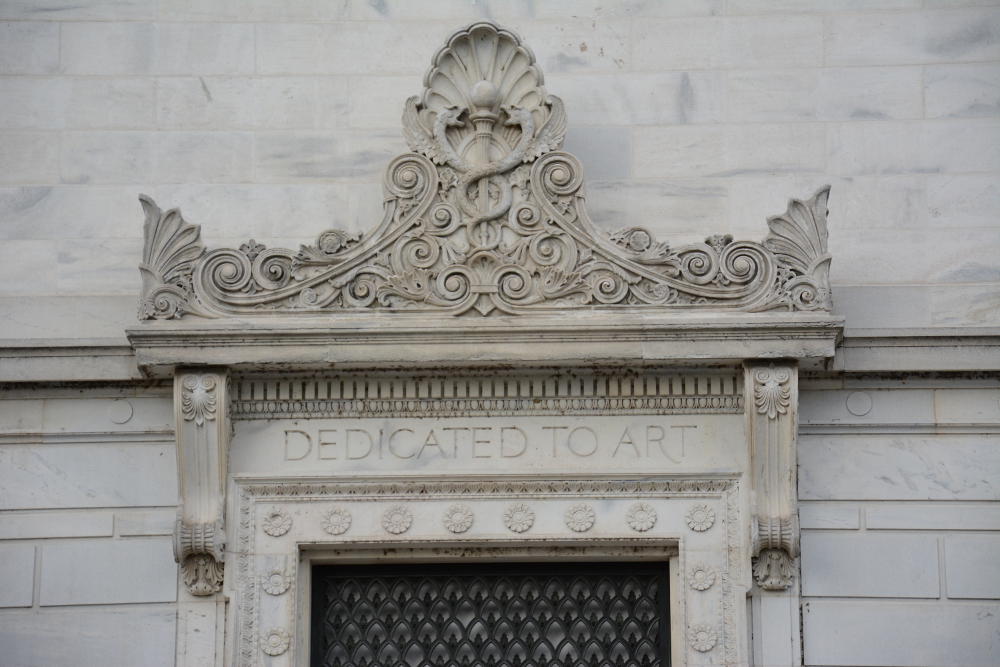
<point>485,216</point>
<point>772,425</point>
<point>202,433</point>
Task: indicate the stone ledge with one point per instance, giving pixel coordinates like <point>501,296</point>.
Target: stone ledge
<point>589,339</point>
<point>860,351</point>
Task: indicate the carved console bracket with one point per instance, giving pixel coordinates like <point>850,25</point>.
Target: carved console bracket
<point>772,422</point>
<point>201,417</point>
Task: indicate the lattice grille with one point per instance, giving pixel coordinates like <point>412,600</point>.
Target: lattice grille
<point>523,615</point>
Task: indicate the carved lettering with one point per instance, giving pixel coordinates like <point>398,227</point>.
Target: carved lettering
<point>392,443</point>
<point>431,441</point>
<point>477,452</point>
<point>369,442</point>
<point>454,438</point>
<point>683,429</point>
<point>625,440</point>
<point>512,453</point>
<point>555,443</point>
<point>579,445</point>
<point>301,436</point>
<point>327,448</point>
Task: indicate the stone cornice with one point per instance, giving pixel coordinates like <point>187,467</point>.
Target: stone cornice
<point>583,338</point>
<point>928,350</point>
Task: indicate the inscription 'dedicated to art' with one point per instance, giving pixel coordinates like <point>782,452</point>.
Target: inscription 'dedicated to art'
<point>654,443</point>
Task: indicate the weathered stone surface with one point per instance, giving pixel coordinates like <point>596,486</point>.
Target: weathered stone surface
<point>107,572</point>
<point>29,525</point>
<point>829,516</point>
<point>869,565</point>
<point>891,634</point>
<point>103,475</point>
<point>133,636</point>
<point>17,575</point>
<point>904,467</point>
<point>972,569</point>
<point>926,516</point>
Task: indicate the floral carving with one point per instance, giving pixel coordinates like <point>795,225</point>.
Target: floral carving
<point>771,393</point>
<point>202,574</point>
<point>641,517</point>
<point>336,521</point>
<point>275,641</point>
<point>518,518</point>
<point>700,518</point>
<point>798,240</point>
<point>701,577</point>
<point>774,569</point>
<point>458,518</point>
<point>198,398</point>
<point>275,582</point>
<point>397,520</point>
<point>276,522</point>
<point>200,549</point>
<point>580,517</point>
<point>171,249</point>
<point>486,215</point>
<point>702,637</point>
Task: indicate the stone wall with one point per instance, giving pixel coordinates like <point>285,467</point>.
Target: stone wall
<point>274,120</point>
<point>88,489</point>
<point>898,486</point>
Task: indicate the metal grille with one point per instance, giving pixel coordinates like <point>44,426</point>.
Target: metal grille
<point>496,615</point>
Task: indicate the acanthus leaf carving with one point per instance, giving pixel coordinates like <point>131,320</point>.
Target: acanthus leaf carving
<point>198,398</point>
<point>770,391</point>
<point>774,569</point>
<point>171,248</point>
<point>486,216</point>
<point>798,240</point>
<point>200,549</point>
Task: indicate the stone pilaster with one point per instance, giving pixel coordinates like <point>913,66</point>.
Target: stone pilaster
<point>772,421</point>
<point>202,428</point>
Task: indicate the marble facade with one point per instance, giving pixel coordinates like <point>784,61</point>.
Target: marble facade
<point>497,370</point>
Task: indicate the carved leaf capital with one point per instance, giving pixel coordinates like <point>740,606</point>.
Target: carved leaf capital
<point>198,398</point>
<point>771,392</point>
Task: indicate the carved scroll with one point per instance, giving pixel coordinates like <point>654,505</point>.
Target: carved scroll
<point>200,400</point>
<point>486,216</point>
<point>772,407</point>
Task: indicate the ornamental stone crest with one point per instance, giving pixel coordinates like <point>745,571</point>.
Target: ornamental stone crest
<point>486,215</point>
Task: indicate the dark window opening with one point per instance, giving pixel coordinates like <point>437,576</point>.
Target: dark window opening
<point>491,615</point>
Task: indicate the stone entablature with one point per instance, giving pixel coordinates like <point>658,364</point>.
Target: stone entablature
<point>486,372</point>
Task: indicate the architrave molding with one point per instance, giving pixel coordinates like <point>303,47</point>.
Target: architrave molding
<point>201,413</point>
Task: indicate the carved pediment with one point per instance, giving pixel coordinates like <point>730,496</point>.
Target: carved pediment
<point>486,216</point>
